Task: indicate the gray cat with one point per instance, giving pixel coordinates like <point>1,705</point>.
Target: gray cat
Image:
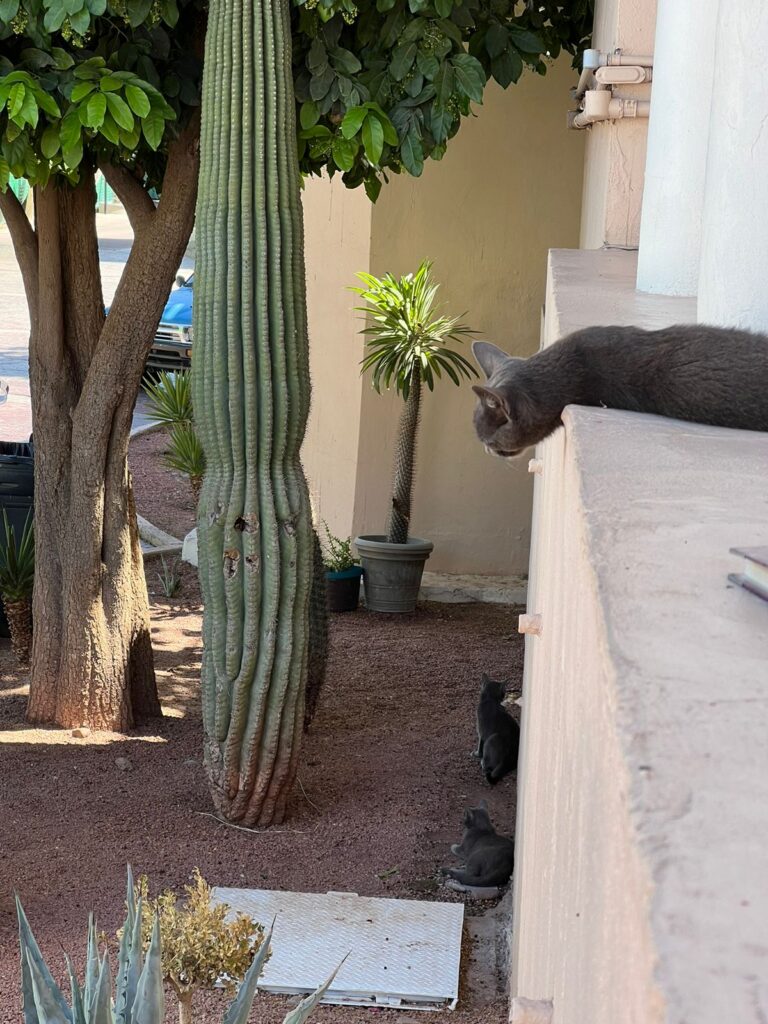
<point>498,734</point>
<point>488,857</point>
<point>703,374</point>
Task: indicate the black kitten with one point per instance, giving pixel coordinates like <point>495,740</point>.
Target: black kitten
<point>498,734</point>
<point>489,858</point>
<point>691,372</point>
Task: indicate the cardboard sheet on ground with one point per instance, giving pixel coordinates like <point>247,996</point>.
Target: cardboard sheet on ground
<point>402,953</point>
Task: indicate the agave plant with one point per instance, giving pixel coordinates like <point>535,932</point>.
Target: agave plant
<point>408,347</point>
<point>185,453</point>
<point>17,575</point>
<point>138,988</point>
<point>170,397</point>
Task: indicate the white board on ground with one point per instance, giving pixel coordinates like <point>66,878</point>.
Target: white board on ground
<point>402,953</point>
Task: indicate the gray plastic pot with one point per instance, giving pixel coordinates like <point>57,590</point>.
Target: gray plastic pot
<point>392,572</point>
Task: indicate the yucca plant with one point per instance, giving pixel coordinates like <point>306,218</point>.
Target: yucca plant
<point>170,578</point>
<point>138,986</point>
<point>17,576</point>
<point>408,346</point>
<point>185,453</point>
<point>170,397</point>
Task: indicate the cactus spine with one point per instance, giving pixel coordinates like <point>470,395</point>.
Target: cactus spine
<point>251,399</point>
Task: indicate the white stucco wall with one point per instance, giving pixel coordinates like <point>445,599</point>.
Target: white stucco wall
<point>640,893</point>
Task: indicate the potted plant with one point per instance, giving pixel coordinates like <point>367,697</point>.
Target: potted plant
<point>342,573</point>
<point>408,346</point>
<point>17,575</point>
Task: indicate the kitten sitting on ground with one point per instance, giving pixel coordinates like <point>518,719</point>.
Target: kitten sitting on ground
<point>691,372</point>
<point>498,734</point>
<point>488,857</point>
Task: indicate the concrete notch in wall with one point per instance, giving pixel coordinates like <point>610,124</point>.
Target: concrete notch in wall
<point>532,1011</point>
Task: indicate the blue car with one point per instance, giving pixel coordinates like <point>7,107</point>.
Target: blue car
<point>172,347</point>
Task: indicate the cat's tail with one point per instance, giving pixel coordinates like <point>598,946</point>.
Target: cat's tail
<point>466,877</point>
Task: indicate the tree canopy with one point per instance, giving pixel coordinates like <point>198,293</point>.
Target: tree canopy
<point>381,85</point>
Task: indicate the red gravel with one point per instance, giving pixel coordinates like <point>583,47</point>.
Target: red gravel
<point>385,775</point>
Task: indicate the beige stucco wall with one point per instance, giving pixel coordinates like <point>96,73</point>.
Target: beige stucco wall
<point>508,189</point>
<point>614,166</point>
<point>337,226</point>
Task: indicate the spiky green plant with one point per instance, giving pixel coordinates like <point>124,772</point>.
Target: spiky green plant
<point>170,397</point>
<point>185,453</point>
<point>407,346</point>
<point>138,986</point>
<point>318,633</point>
<point>251,396</point>
<point>17,561</point>
<point>170,579</point>
<point>17,576</point>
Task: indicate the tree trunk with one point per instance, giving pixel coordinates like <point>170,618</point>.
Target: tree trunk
<point>405,459</point>
<point>251,398</point>
<point>185,1008</point>
<point>91,655</point>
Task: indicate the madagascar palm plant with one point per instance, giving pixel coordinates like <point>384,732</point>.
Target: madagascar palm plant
<point>407,344</point>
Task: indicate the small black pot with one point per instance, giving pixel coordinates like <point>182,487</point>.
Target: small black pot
<point>344,589</point>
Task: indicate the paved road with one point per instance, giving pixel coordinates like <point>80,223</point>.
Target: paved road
<point>115,238</point>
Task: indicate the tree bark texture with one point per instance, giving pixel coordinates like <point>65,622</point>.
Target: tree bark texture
<point>251,395</point>
<point>405,460</point>
<point>92,656</point>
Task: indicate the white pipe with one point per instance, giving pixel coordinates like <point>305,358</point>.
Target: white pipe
<point>734,250</point>
<point>613,110</point>
<point>678,133</point>
<point>594,59</point>
<point>634,75</point>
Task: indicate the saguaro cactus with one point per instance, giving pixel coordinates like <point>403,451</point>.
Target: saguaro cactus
<point>251,399</point>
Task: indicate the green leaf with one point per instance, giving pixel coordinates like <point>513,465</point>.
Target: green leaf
<point>309,115</point>
<point>470,77</point>
<point>81,21</point>
<point>445,82</point>
<point>496,39</point>
<point>120,110</point>
<point>427,65</point>
<point>111,83</point>
<point>372,186</point>
<point>507,68</point>
<point>150,1000</point>
<point>412,152</point>
<point>169,12</point>
<point>109,130</point>
<point>63,60</point>
<point>95,110</point>
<point>137,100</point>
<point>137,11</point>
<point>525,41</point>
<point>49,143</point>
<point>373,138</point>
<point>302,1012</point>
<point>345,61</point>
<point>441,121</point>
<point>444,8</point>
<point>8,10</point>
<point>344,152</point>
<point>5,174</point>
<point>353,121</point>
<point>16,99</point>
<point>153,127</point>
<point>73,155</point>
<point>54,16</point>
<point>81,90</point>
<point>239,1010</point>
<point>402,60</point>
<point>70,130</point>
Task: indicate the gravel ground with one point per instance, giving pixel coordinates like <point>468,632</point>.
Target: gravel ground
<point>384,778</point>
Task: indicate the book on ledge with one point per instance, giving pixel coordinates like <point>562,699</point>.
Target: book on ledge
<point>754,576</point>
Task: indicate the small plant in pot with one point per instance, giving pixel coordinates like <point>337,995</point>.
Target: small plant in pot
<point>408,347</point>
<point>342,573</point>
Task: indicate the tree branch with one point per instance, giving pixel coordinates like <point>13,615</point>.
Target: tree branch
<point>24,241</point>
<point>131,193</point>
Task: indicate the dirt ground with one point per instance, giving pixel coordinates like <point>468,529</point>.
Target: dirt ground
<point>386,772</point>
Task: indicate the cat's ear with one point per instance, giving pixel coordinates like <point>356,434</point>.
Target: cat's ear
<point>489,357</point>
<point>492,398</point>
<point>486,678</point>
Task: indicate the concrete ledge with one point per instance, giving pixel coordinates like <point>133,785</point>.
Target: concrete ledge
<point>156,543</point>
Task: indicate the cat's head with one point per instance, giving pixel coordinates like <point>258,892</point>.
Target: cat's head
<point>492,688</point>
<point>503,415</point>
<point>478,817</point>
